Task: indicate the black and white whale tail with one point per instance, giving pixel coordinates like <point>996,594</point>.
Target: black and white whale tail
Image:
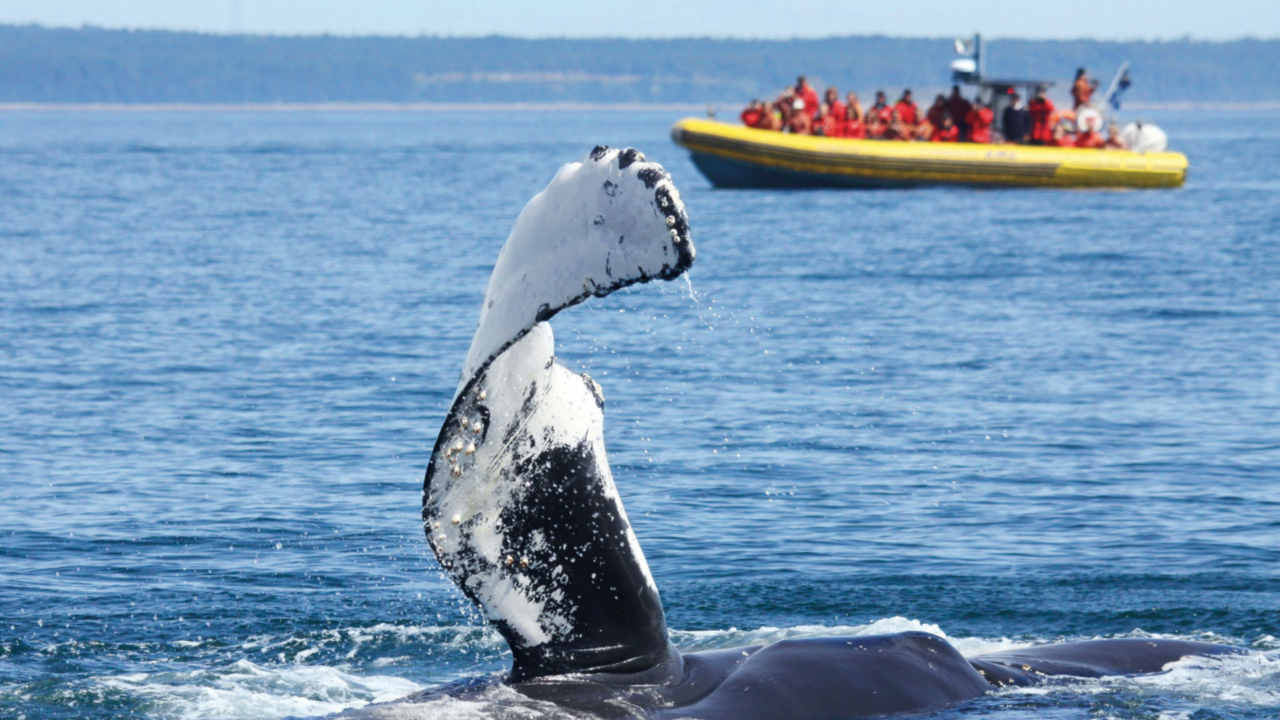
<point>519,503</point>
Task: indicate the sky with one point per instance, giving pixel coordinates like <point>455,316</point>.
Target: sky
<point>1110,19</point>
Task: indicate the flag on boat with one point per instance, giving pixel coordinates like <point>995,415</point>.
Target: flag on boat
<point>1121,86</point>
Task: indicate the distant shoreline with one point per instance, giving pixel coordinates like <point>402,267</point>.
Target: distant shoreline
<point>354,107</point>
<point>429,107</point>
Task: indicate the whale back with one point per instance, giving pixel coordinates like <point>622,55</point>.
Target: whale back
<point>519,502</point>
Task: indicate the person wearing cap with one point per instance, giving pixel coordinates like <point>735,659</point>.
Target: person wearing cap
<point>799,122</point>
<point>1082,89</point>
<point>1015,121</point>
<point>979,121</point>
<point>1041,111</point>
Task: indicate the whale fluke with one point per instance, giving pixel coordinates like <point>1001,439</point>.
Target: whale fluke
<point>519,503</point>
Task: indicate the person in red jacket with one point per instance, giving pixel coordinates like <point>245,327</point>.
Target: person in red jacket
<point>908,112</point>
<point>959,109</point>
<point>837,107</point>
<point>805,92</point>
<point>1087,138</point>
<point>854,127</point>
<point>826,124</point>
<point>882,111</point>
<point>979,120</point>
<point>947,131</point>
<point>751,117</point>
<point>1082,89</point>
<point>1041,109</point>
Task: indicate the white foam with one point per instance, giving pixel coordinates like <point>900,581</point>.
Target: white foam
<point>247,690</point>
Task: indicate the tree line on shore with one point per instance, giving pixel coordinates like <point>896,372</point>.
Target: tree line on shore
<point>93,65</point>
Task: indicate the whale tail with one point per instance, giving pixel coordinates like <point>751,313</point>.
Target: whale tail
<point>519,503</point>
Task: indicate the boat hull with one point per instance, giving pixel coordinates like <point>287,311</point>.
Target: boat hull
<point>732,156</point>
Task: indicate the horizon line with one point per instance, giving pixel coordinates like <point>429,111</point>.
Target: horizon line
<point>1184,38</point>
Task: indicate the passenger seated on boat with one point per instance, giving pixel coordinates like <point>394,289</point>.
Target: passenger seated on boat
<point>851,100</point>
<point>881,110</point>
<point>805,92</point>
<point>959,109</point>
<point>947,131</point>
<point>826,124</point>
<point>751,117</point>
<point>875,128</point>
<point>979,119</point>
<point>1061,136</point>
<point>1087,138</point>
<point>1114,141</point>
<point>897,129</point>
<point>1041,111</point>
<point>1015,122</point>
<point>798,121</point>
<point>853,126</point>
<point>936,111</point>
<point>923,131</point>
<point>837,107</point>
<point>907,109</point>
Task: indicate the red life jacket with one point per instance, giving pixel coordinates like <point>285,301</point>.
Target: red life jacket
<point>810,98</point>
<point>751,117</point>
<point>855,129</point>
<point>980,124</point>
<point>837,110</point>
<point>908,113</point>
<point>1090,139</point>
<point>951,134</point>
<point>1041,110</point>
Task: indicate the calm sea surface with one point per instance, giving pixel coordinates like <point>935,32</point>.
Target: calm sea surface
<point>227,342</point>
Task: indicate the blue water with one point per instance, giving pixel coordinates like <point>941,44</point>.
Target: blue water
<point>228,341</point>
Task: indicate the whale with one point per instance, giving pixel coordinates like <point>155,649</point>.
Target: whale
<point>520,508</point>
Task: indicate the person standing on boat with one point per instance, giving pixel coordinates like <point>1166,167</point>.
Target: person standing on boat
<point>959,109</point>
<point>1041,111</point>
<point>979,121</point>
<point>1082,89</point>
<point>1015,121</point>
<point>805,92</point>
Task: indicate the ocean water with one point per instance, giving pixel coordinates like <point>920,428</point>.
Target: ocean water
<point>227,342</point>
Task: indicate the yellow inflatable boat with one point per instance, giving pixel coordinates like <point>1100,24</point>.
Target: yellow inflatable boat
<point>733,156</point>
